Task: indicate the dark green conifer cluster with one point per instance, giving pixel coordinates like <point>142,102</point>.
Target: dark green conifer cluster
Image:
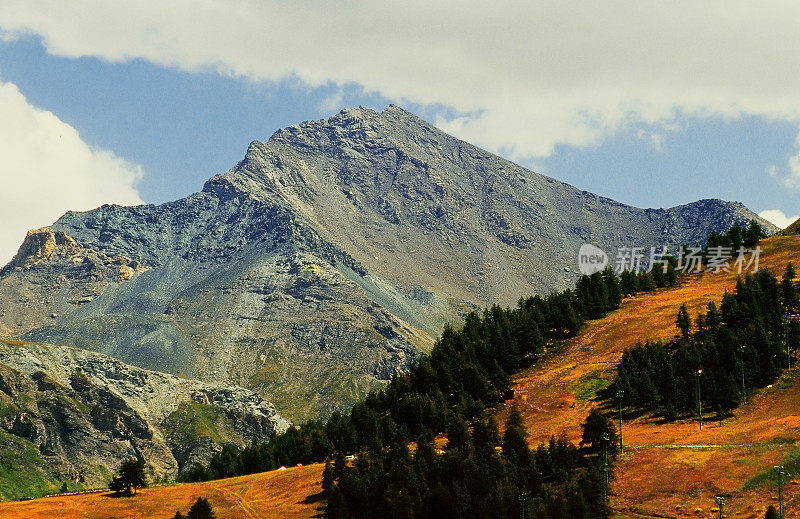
<point>737,236</point>
<point>131,477</point>
<point>722,353</point>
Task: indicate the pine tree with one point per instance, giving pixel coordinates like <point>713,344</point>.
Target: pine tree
<point>628,283</point>
<point>788,290</point>
<point>515,447</point>
<point>713,318</point>
<point>116,485</point>
<point>684,322</point>
<point>457,433</point>
<point>727,394</point>
<point>753,234</point>
<point>671,277</point>
<point>594,427</point>
<point>327,476</point>
<point>736,236</point>
<point>131,477</point>
<point>612,288</point>
<point>793,332</point>
<point>646,282</point>
<point>201,509</point>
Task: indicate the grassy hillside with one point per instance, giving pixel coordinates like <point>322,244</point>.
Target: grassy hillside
<point>792,230</point>
<point>673,469</point>
<point>287,493</point>
<point>23,473</point>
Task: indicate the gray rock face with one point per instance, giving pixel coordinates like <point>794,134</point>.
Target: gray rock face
<point>330,256</point>
<point>85,412</point>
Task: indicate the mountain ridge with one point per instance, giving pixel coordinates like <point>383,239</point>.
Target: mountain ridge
<point>328,258</point>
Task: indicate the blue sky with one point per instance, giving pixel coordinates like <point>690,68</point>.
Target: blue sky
<point>143,103</point>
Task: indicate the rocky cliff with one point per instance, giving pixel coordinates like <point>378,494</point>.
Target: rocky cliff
<point>325,261</point>
<point>81,413</point>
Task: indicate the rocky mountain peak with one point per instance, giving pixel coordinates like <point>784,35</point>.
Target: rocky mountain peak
<point>40,244</point>
<point>329,256</point>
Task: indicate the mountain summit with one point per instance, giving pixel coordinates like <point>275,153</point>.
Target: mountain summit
<point>326,260</point>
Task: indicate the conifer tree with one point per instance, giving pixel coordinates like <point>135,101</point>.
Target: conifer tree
<point>788,290</point>
<point>684,322</point>
<point>646,282</point>
<point>736,236</point>
<point>327,476</point>
<point>201,509</point>
<point>594,427</point>
<point>515,447</point>
<point>713,318</point>
<point>628,283</point>
<point>753,234</point>
<point>131,477</point>
<point>793,335</point>
<point>613,289</point>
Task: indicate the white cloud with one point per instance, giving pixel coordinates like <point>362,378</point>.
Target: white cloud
<point>657,140</point>
<point>333,101</point>
<point>524,75</point>
<point>792,179</point>
<point>777,217</point>
<point>46,169</point>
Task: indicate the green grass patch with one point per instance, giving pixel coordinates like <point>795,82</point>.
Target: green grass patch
<point>269,372</point>
<point>786,380</point>
<point>21,472</point>
<point>767,477</point>
<point>193,420</point>
<point>7,408</point>
<point>591,384</point>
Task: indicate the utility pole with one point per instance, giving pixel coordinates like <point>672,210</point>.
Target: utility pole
<point>721,503</point>
<point>788,355</point>
<point>619,406</point>
<point>605,439</point>
<point>522,497</point>
<point>780,472</point>
<point>741,360</point>
<point>699,401</point>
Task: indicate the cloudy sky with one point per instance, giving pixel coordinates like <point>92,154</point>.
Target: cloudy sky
<point>651,103</point>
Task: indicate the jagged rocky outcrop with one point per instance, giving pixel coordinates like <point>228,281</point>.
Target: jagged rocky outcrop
<point>53,275</point>
<point>329,258</point>
<point>83,413</point>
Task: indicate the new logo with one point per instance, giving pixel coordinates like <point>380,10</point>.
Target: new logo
<point>591,259</point>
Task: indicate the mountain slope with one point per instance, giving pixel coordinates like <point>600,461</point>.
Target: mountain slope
<point>325,260</point>
<point>670,469</point>
<point>667,470</point>
<point>792,230</point>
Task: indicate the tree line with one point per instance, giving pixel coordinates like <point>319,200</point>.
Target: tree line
<point>737,236</point>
